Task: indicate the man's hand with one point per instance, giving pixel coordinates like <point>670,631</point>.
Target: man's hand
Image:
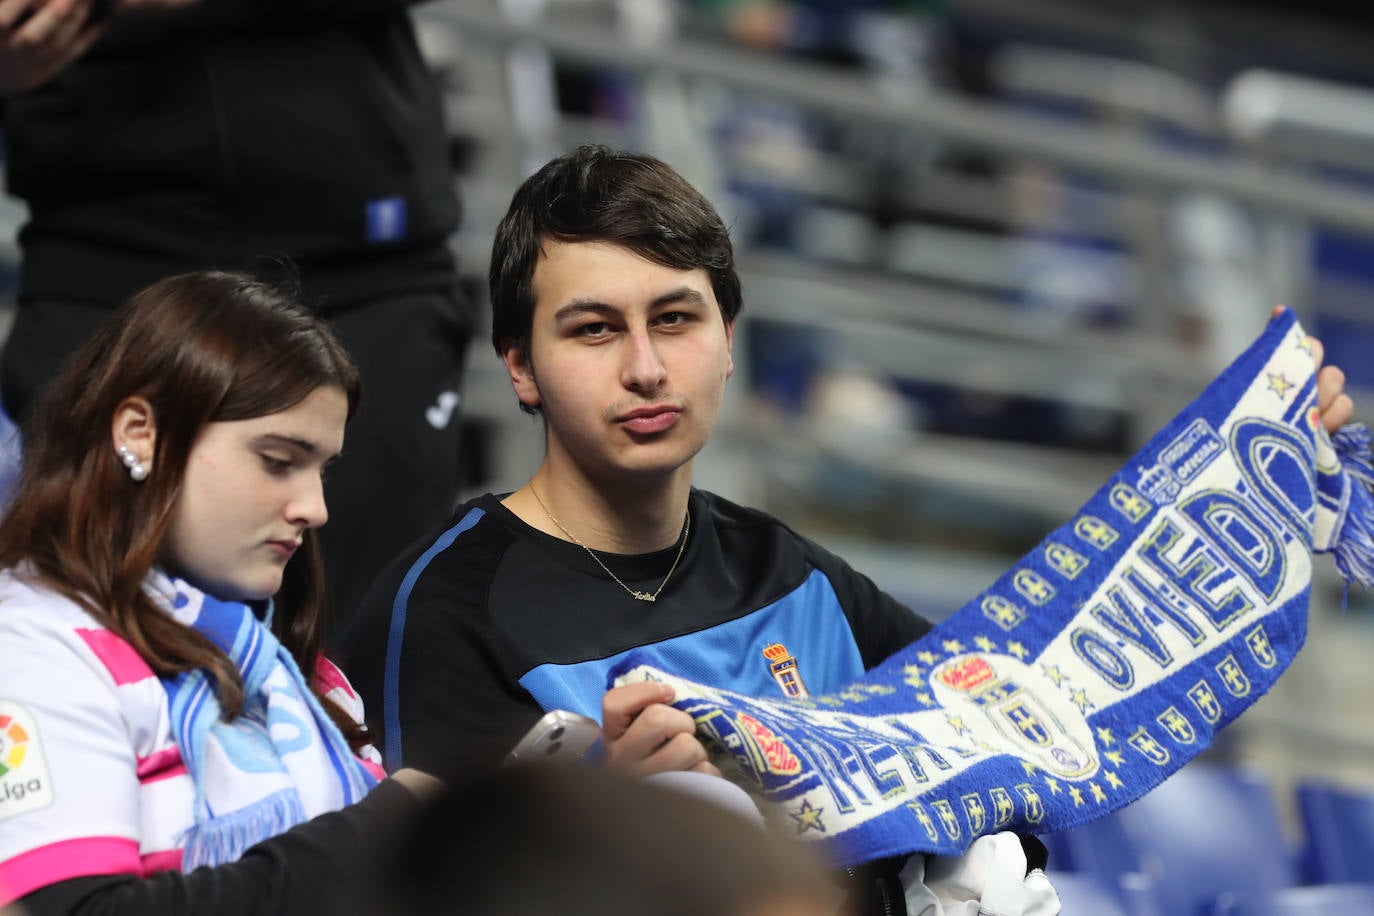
<point>1333,404</point>
<point>41,38</point>
<point>643,736</point>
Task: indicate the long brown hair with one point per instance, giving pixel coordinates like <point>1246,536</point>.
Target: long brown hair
<point>202,348</point>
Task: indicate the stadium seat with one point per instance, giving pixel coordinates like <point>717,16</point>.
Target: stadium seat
<point>1084,894</point>
<point>1339,826</point>
<point>1319,900</point>
<point>1206,830</point>
<point>1088,895</point>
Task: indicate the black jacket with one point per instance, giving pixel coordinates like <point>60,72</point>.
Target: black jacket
<point>231,131</point>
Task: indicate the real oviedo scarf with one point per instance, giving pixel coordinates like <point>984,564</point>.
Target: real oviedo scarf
<point>1102,661</point>
<point>279,763</point>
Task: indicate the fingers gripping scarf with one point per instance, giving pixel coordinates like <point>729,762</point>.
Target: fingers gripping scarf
<point>1102,661</point>
<point>279,763</point>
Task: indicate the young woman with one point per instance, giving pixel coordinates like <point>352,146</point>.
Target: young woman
<point>166,718</point>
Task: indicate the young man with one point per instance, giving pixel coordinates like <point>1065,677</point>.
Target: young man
<point>614,299</point>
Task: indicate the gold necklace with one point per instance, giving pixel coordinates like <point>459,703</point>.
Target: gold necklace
<point>637,595</point>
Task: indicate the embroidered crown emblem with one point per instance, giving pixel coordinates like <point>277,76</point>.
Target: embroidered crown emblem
<point>784,670</point>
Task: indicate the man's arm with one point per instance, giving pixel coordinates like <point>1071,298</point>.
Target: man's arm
<point>880,623</point>
<point>431,672</point>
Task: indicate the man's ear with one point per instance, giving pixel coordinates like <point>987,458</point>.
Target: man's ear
<point>516,355</point>
<point>730,347</point>
<point>134,427</point>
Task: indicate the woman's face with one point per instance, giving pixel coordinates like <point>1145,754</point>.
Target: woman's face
<point>252,488</point>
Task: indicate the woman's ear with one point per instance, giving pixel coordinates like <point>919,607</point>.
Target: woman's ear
<point>516,355</point>
<point>133,432</point>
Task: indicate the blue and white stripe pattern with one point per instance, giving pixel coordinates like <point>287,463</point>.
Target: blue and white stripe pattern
<point>281,762</point>
<point>1102,661</point>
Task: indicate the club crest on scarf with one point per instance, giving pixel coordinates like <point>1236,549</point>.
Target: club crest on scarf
<point>1101,662</point>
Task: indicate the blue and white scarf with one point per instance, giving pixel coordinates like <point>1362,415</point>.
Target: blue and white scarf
<point>279,763</point>
<point>1101,662</point>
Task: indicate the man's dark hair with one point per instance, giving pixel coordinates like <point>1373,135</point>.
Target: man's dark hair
<point>596,194</point>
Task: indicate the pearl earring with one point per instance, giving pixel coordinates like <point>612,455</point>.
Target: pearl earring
<point>136,469</point>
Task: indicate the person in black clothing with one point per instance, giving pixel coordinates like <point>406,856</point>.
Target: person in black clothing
<point>614,300</point>
<point>153,137</point>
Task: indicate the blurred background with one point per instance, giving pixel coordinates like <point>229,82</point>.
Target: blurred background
<point>987,250</point>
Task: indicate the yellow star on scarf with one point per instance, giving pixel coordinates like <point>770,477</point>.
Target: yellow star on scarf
<point>928,658</point>
<point>1053,785</point>
<point>953,646</point>
<point>1113,780</point>
<point>1077,795</point>
<point>1080,699</point>
<point>1304,341</point>
<point>1104,735</point>
<point>1054,674</point>
<point>808,818</point>
<point>1115,757</point>
<point>1029,767</point>
<point>1279,385</point>
<point>1098,795</point>
<point>1015,648</point>
<point>914,675</point>
<point>982,642</point>
<point>925,697</point>
<point>957,723</point>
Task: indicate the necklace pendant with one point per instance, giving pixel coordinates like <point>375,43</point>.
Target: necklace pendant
<point>644,596</point>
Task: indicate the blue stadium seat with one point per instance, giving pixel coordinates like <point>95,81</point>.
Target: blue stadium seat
<point>1085,895</point>
<point>1205,831</point>
<point>1339,826</point>
<point>1319,900</point>
<point>1060,848</point>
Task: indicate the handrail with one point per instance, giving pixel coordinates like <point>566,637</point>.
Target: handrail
<point>984,126</point>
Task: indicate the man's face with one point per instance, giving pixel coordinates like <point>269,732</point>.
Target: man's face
<point>627,360</point>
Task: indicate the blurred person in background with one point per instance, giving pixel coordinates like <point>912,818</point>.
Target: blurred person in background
<point>152,137</point>
<point>172,738</point>
<point>534,840</point>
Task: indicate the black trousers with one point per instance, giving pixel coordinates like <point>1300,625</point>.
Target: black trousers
<point>398,476</point>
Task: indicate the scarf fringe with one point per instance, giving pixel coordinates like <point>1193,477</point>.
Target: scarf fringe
<point>1353,547</point>
<point>217,840</point>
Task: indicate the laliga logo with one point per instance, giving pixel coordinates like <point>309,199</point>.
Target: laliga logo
<point>26,789</point>
<point>14,744</point>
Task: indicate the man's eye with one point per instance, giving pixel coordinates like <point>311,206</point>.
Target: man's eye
<point>594,329</point>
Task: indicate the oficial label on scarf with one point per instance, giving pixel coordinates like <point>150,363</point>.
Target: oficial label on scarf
<point>1099,664</point>
<point>24,781</point>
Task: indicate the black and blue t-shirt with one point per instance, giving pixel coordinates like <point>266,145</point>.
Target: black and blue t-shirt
<point>478,628</point>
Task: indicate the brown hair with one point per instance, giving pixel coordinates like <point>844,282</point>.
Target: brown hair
<point>596,194</point>
<point>201,348</point>
<point>576,840</point>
